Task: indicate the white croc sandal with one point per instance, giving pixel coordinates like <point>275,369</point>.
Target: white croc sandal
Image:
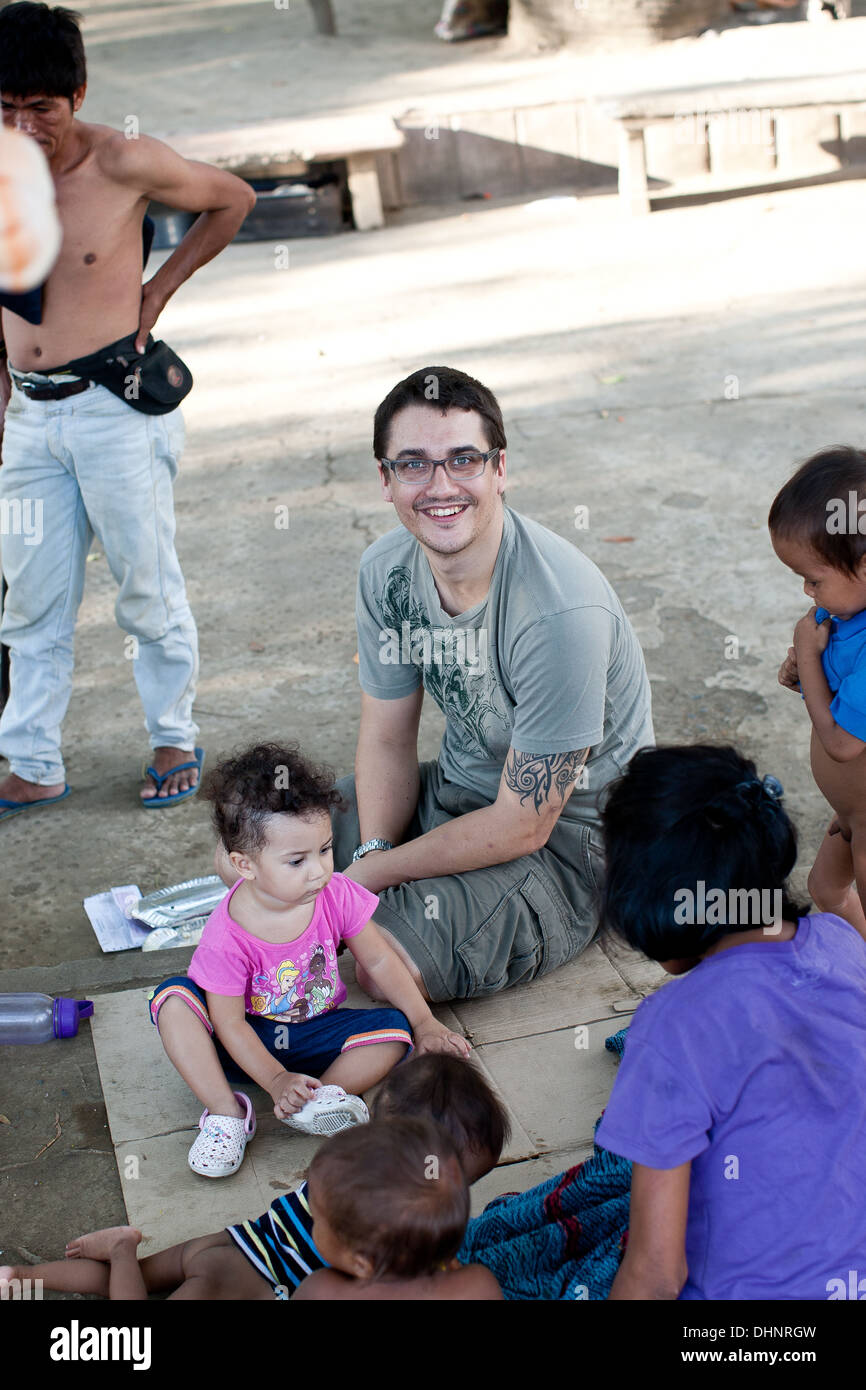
<point>219,1149</point>
<point>330,1110</point>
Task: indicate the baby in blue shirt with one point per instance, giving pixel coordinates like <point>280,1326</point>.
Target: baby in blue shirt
<point>818,529</point>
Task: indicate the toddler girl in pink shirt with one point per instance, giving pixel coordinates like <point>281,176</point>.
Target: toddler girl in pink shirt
<point>261,1002</point>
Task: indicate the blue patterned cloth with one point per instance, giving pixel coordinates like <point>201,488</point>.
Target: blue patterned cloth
<point>563,1239</point>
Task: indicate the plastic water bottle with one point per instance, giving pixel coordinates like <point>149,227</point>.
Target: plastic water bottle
<point>37,1018</point>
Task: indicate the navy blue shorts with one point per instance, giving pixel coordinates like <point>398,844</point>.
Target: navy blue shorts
<point>308,1047</point>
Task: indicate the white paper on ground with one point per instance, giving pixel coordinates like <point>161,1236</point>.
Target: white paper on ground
<point>107,912</point>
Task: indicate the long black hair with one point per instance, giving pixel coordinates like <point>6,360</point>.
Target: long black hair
<point>693,841</point>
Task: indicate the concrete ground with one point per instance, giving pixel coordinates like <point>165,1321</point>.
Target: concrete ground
<point>666,373</point>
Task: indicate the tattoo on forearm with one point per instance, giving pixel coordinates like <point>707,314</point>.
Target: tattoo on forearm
<point>536,775</point>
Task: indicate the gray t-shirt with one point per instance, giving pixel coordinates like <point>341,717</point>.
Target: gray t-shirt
<point>546,663</point>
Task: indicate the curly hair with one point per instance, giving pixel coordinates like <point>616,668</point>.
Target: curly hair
<point>269,779</point>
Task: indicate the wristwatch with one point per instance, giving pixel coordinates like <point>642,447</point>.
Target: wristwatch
<point>368,845</point>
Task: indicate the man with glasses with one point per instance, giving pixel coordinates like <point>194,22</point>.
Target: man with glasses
<point>487,861</point>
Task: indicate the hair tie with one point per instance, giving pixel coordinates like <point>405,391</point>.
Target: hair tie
<point>769,786</point>
<point>752,794</point>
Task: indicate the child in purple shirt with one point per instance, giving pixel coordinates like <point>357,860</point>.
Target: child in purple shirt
<point>740,1099</point>
<point>262,999</point>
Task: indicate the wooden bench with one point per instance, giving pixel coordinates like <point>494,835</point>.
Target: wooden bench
<point>839,91</point>
<point>290,147</point>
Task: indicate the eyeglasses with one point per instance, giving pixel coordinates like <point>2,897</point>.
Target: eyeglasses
<point>459,469</point>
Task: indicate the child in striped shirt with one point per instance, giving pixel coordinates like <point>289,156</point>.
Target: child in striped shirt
<point>390,1205</point>
<point>268,1258</point>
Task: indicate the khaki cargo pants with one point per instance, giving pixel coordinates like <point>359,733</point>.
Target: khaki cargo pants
<point>475,933</point>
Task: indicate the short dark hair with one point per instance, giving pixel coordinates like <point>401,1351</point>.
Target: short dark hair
<point>394,1191</point>
<point>452,1092</point>
<point>41,51</point>
<point>440,388</point>
<point>802,509</point>
<point>269,779</point>
<point>684,815</point>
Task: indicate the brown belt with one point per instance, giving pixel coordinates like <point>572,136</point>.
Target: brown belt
<point>52,393</point>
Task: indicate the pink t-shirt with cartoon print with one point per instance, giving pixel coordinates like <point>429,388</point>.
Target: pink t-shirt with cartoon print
<point>291,981</point>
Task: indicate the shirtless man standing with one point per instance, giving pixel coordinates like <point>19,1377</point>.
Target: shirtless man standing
<point>76,458</point>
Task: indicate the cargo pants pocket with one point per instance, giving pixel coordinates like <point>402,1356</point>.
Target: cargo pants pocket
<point>526,935</point>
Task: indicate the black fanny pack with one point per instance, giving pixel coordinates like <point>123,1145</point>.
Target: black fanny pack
<point>154,381</point>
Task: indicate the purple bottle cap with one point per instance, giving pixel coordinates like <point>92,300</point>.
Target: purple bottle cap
<point>67,1013</point>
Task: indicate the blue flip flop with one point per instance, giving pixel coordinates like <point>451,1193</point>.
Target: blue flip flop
<point>156,803</point>
<point>14,808</point>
